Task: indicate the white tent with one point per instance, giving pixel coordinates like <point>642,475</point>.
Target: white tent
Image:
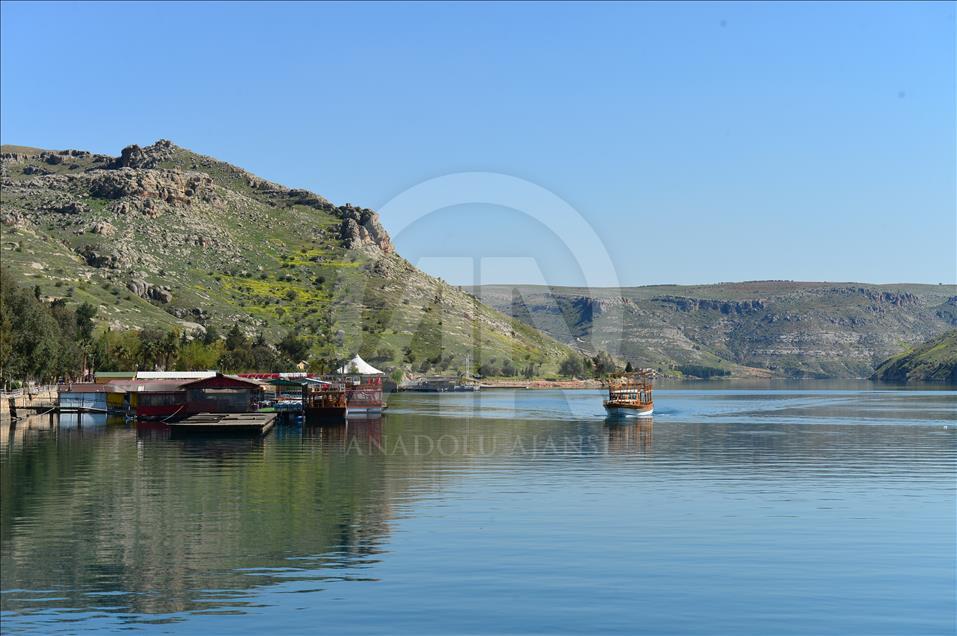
<point>358,365</point>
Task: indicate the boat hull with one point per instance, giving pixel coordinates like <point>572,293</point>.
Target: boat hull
<point>323,414</point>
<point>629,411</point>
<point>364,411</point>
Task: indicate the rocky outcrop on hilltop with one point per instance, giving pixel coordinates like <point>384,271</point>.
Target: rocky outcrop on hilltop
<point>361,227</point>
<point>135,157</point>
<point>160,180</point>
<point>153,192</point>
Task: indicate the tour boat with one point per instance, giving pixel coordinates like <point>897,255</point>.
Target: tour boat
<point>629,395</point>
<point>323,401</point>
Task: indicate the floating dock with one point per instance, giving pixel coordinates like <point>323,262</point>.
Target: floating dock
<point>225,424</point>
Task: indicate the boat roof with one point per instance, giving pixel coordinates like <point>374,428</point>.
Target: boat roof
<point>285,381</point>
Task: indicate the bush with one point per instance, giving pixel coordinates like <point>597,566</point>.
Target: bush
<point>702,371</point>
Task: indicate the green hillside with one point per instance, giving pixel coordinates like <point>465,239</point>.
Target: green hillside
<point>162,237</point>
<point>932,361</point>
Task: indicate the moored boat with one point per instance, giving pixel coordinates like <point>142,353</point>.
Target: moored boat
<point>630,395</point>
<point>323,401</point>
<point>354,391</point>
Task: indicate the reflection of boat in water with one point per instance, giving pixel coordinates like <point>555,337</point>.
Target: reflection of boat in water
<point>347,434</point>
<point>630,395</point>
<point>632,436</point>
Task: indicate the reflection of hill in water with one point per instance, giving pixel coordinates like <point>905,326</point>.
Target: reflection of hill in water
<point>194,525</point>
<point>162,520</point>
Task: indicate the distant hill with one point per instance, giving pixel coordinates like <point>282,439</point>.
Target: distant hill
<point>762,328</point>
<point>932,361</point>
<point>164,237</point>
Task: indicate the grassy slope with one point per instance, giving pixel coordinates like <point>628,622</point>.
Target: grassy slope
<point>274,265</point>
<point>932,361</point>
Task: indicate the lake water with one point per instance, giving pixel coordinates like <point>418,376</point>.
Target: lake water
<point>736,511</point>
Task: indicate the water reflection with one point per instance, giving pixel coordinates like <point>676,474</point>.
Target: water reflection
<point>110,522</point>
<point>632,438</point>
<point>156,523</point>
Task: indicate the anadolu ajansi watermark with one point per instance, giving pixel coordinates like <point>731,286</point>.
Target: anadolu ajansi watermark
<point>466,445</point>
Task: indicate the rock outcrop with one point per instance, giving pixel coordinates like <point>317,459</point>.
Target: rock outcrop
<point>135,157</point>
<point>360,227</point>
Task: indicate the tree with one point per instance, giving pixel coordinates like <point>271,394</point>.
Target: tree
<point>211,335</point>
<point>196,354</point>
<point>85,314</point>
<point>151,348</point>
<point>117,350</point>
<point>70,350</point>
<point>295,348</point>
<point>487,369</point>
<point>572,366</point>
<point>628,367</point>
<point>235,339</point>
<point>169,349</point>
<point>382,353</point>
<point>237,360</point>
<point>33,345</point>
<point>508,369</point>
<point>604,364</point>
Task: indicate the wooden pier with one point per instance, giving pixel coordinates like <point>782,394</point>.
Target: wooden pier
<point>225,424</point>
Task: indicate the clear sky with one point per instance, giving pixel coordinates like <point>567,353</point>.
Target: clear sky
<point>702,142</point>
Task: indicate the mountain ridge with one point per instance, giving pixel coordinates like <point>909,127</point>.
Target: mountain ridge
<point>754,328</point>
<point>163,237</point>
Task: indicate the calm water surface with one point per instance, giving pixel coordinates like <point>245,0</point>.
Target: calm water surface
<point>739,511</point>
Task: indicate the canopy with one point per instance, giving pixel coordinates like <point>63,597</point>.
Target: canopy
<point>297,382</point>
<point>358,365</point>
<point>286,382</point>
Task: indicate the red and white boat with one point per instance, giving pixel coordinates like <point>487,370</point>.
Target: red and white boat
<point>363,386</point>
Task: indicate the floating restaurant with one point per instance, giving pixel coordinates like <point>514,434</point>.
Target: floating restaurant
<point>355,390</point>
<point>164,395</point>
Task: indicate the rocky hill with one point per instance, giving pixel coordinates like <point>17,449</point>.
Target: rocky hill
<point>931,361</point>
<point>768,328</point>
<point>163,237</point>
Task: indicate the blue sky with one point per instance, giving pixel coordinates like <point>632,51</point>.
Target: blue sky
<point>701,142</point>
